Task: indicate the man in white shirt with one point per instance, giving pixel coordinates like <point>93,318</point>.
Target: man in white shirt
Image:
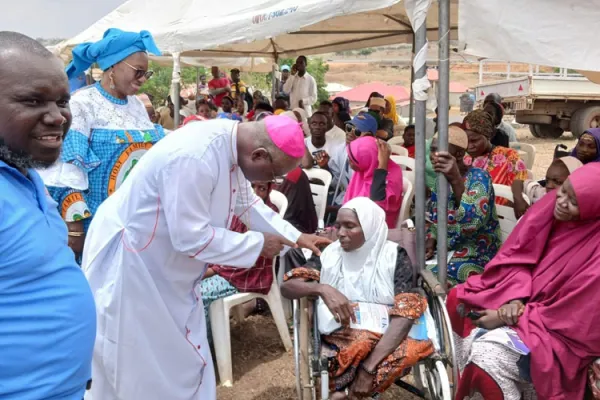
<point>335,133</point>
<point>327,154</point>
<point>149,244</point>
<point>301,87</point>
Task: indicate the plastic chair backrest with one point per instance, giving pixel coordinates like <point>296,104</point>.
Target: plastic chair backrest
<point>529,149</point>
<point>319,191</point>
<point>405,163</point>
<point>408,194</point>
<point>506,214</point>
<point>280,201</point>
<point>399,150</point>
<point>396,140</point>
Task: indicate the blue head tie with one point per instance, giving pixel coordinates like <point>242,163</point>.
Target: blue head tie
<point>115,46</point>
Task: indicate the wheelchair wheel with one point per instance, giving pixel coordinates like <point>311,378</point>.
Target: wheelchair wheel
<point>447,353</point>
<point>303,352</point>
<point>432,377</point>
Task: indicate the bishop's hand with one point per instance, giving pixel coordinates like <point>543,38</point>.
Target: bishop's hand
<point>273,245</point>
<point>312,242</point>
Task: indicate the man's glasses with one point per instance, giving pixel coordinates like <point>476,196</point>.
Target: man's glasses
<point>140,73</point>
<point>277,179</point>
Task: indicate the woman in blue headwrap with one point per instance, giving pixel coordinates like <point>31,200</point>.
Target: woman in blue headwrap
<point>111,129</point>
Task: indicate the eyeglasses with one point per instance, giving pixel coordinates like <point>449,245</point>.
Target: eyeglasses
<point>353,130</point>
<point>277,179</point>
<point>139,73</point>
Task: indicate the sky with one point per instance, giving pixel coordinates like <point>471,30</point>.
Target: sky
<point>53,18</point>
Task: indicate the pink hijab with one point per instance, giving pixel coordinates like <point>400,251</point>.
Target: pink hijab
<point>363,152</point>
<point>555,266</point>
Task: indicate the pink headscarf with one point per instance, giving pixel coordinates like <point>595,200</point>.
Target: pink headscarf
<point>555,267</point>
<point>363,153</point>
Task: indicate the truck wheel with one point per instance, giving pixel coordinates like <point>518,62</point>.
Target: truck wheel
<point>549,131</point>
<point>534,131</point>
<point>584,119</point>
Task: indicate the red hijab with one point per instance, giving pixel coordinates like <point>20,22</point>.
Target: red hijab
<point>555,267</point>
<point>363,152</point>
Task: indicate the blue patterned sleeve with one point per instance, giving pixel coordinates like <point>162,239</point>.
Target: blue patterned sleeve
<point>72,203</point>
<point>466,217</point>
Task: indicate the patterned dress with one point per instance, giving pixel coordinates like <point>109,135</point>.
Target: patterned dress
<point>504,166</point>
<point>346,348</point>
<point>473,228</point>
<point>106,140</point>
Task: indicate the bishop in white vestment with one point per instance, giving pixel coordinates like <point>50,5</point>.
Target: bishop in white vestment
<point>148,245</point>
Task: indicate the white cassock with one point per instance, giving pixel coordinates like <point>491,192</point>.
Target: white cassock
<point>146,252</point>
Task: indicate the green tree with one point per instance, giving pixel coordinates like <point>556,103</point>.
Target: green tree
<point>365,52</point>
<point>160,84</point>
<point>317,68</point>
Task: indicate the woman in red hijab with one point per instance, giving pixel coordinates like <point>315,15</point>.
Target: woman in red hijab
<point>375,176</point>
<point>532,316</point>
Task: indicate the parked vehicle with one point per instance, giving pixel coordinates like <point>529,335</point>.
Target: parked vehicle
<point>549,105</point>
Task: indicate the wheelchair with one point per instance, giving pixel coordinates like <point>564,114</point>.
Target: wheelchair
<point>431,375</point>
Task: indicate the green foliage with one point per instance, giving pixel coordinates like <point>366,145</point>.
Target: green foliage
<point>160,83</point>
<point>366,52</point>
<point>317,68</point>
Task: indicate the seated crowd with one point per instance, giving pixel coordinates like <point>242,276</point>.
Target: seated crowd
<point>537,288</point>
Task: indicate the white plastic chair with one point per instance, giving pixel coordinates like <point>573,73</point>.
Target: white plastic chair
<point>506,214</point>
<point>319,192</point>
<point>280,201</point>
<point>408,194</point>
<point>399,150</point>
<point>406,163</point>
<point>220,310</point>
<point>396,140</point>
<point>528,149</point>
<point>530,175</point>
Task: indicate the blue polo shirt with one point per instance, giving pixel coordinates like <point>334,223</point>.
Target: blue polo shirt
<point>47,312</point>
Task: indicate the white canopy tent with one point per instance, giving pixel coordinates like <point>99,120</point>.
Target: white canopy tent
<point>286,28</point>
<point>557,33</point>
<point>244,64</point>
<point>264,28</point>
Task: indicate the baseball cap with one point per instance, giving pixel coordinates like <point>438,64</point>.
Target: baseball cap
<point>285,68</point>
<point>364,122</point>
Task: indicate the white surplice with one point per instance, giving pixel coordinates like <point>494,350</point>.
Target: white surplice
<point>146,252</point>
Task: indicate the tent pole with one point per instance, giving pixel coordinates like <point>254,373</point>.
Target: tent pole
<point>420,66</point>
<point>197,83</point>
<point>411,104</point>
<point>443,108</point>
<point>274,81</point>
<point>175,89</point>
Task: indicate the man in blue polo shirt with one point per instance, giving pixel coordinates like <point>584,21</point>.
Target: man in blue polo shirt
<point>47,313</point>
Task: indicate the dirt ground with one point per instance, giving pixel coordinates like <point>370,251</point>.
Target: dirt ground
<point>262,370</point>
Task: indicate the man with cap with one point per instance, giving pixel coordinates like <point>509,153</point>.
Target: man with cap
<point>150,243</point>
<point>385,126</point>
<point>363,124</point>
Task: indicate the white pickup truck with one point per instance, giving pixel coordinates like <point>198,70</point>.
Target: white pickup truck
<point>550,105</point>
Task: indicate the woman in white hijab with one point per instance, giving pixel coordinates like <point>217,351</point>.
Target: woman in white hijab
<point>362,266</point>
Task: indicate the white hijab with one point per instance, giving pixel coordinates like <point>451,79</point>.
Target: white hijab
<point>367,273</point>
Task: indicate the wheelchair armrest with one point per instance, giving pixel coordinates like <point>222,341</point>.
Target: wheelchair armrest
<point>432,281</point>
